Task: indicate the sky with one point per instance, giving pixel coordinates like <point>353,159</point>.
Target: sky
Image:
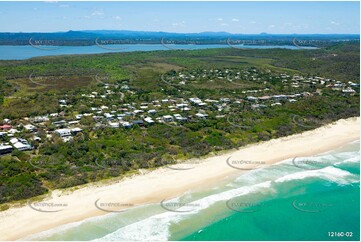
<point>183,17</point>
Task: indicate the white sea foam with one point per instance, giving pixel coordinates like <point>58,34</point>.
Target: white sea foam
<point>329,173</point>
<point>156,227</point>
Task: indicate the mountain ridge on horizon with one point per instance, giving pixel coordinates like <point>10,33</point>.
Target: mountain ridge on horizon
<point>89,37</point>
<point>124,31</point>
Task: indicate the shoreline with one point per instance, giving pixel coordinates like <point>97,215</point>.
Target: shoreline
<point>164,183</point>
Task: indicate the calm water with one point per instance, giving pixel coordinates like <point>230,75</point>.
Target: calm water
<point>28,51</point>
<point>281,202</point>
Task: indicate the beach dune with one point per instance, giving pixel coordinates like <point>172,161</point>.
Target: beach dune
<point>167,182</point>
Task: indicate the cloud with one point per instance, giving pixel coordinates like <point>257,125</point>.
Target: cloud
<point>271,26</point>
<point>117,17</point>
<point>334,23</point>
<point>63,6</point>
<point>253,22</point>
<point>224,24</point>
<point>235,20</point>
<point>220,19</point>
<point>180,24</point>
<point>97,13</point>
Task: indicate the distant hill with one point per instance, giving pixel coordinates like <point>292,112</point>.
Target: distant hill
<point>88,37</point>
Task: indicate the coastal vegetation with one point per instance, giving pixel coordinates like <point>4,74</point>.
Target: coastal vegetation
<point>250,95</point>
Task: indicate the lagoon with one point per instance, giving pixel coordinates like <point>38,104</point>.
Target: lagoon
<point>22,52</point>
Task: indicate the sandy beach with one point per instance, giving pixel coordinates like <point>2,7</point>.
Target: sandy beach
<point>167,182</point>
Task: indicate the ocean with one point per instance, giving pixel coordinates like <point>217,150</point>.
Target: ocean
<point>307,198</point>
<point>16,52</point>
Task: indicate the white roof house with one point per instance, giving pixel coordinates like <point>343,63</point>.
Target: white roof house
<point>22,147</point>
<point>201,115</point>
<point>114,124</point>
<point>149,120</point>
<point>5,149</point>
<point>63,132</point>
<point>168,118</point>
<point>29,127</point>
<point>76,130</point>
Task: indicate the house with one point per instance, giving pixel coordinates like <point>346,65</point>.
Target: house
<point>37,138</point>
<point>149,120</point>
<point>5,127</point>
<point>264,98</point>
<point>114,124</point>
<point>30,127</point>
<point>125,87</point>
<point>74,131</point>
<point>40,119</point>
<point>202,115</point>
<point>6,121</point>
<point>12,131</point>
<point>78,116</point>
<point>138,111</point>
<point>276,104</point>
<point>63,132</point>
<point>348,90</point>
<point>168,118</point>
<point>224,99</point>
<point>152,111</point>
<point>178,117</point>
<point>138,122</point>
<point>108,116</point>
<point>59,123</point>
<point>279,97</point>
<point>195,100</point>
<point>5,149</point>
<point>251,98</point>
<point>73,122</point>
<point>20,144</point>
<point>126,124</point>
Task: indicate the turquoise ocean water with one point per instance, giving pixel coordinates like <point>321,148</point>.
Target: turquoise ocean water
<point>308,198</point>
